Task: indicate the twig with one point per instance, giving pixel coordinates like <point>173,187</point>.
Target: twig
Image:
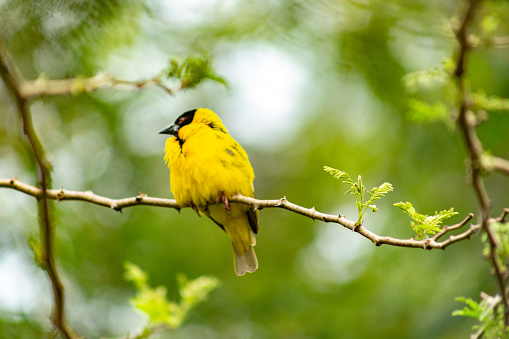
<point>500,164</point>
<point>447,229</point>
<point>35,88</point>
<point>474,147</point>
<point>503,216</point>
<point>142,199</point>
<point>27,90</point>
<point>14,81</point>
<point>495,42</point>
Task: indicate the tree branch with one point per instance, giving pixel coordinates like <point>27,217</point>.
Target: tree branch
<point>500,164</point>
<point>466,123</point>
<point>27,90</point>
<point>142,199</point>
<point>35,88</point>
<point>14,82</point>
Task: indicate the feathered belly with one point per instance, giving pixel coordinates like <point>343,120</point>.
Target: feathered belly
<point>200,176</point>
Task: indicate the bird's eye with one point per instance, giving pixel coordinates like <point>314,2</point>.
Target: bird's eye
<point>181,120</point>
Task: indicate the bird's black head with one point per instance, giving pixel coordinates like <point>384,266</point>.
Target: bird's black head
<point>184,119</point>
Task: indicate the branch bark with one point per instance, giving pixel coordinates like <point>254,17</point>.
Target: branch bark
<point>14,82</point>
<point>142,199</point>
<point>35,88</point>
<point>466,124</point>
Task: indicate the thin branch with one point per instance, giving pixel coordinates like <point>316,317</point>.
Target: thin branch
<point>495,42</point>
<point>502,218</point>
<point>89,196</point>
<point>14,81</point>
<point>142,199</point>
<point>500,164</point>
<point>447,229</point>
<point>466,123</point>
<point>27,90</point>
<point>35,88</point>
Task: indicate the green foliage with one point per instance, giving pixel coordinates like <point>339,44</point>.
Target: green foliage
<point>154,303</point>
<point>359,191</point>
<point>490,23</point>
<point>35,246</point>
<point>501,233</point>
<point>426,78</point>
<point>192,71</point>
<point>422,224</point>
<point>437,81</point>
<point>490,314</point>
<point>481,100</point>
<point>422,112</point>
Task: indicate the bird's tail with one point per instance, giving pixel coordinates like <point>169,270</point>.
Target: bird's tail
<point>245,262</point>
<point>237,225</point>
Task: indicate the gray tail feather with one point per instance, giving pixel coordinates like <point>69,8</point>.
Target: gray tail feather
<point>246,262</point>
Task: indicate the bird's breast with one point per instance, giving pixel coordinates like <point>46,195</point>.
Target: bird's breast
<point>205,166</point>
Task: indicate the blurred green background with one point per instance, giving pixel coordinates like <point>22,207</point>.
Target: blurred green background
<point>312,83</point>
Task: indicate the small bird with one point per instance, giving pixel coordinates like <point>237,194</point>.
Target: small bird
<point>208,167</point>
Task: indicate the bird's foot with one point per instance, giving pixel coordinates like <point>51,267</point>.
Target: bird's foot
<point>193,206</point>
<point>224,199</point>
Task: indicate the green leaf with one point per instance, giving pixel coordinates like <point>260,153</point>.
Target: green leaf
<point>192,71</point>
<point>154,302</point>
<point>197,290</point>
<point>36,248</point>
<point>380,191</point>
<point>489,312</point>
<point>336,173</point>
<point>422,224</point>
<point>406,207</point>
<point>489,24</point>
<point>471,310</point>
<point>422,112</point>
<point>481,100</point>
<point>135,275</point>
<point>358,190</point>
<point>425,78</point>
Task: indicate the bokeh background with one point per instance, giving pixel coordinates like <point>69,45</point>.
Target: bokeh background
<point>311,83</point>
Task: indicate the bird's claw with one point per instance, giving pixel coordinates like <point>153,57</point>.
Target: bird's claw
<point>193,206</point>
<point>224,199</point>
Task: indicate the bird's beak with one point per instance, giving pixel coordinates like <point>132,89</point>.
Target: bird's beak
<point>172,129</point>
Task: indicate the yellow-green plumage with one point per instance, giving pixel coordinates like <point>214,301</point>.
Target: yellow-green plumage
<point>206,163</point>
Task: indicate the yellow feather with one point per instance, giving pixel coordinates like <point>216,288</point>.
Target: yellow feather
<point>205,163</point>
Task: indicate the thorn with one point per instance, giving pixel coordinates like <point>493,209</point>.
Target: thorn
<point>140,196</point>
<point>427,245</point>
<point>281,201</point>
<point>313,215</point>
<point>60,194</point>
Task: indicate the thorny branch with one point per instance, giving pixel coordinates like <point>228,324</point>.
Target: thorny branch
<point>142,199</point>
<point>466,124</point>
<point>14,81</point>
<point>27,90</point>
<point>35,88</point>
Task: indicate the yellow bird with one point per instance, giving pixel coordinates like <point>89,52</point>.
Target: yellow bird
<point>208,167</point>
